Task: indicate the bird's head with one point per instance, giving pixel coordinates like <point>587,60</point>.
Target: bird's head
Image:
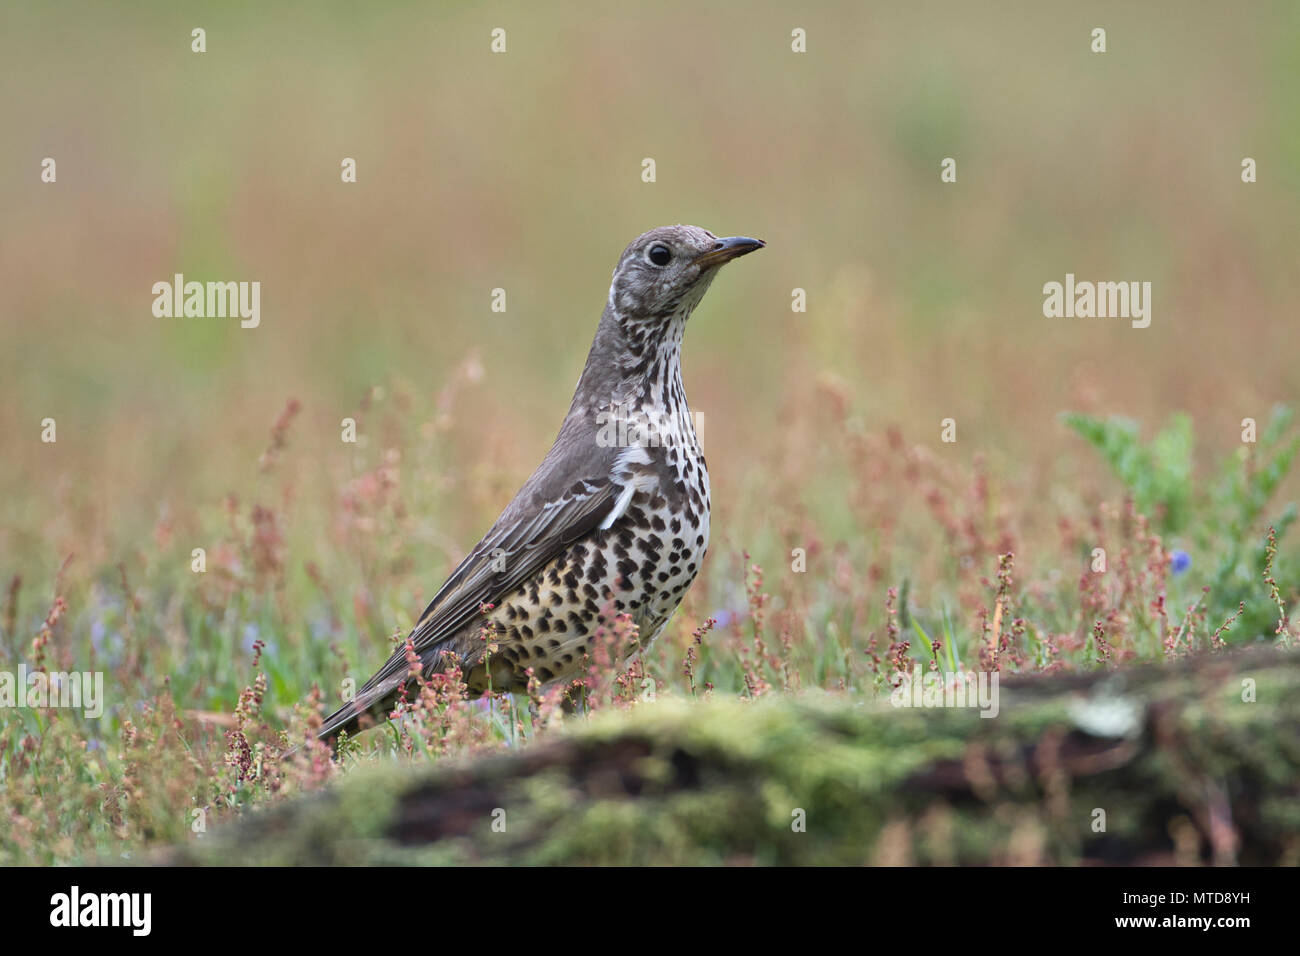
<point>666,271</point>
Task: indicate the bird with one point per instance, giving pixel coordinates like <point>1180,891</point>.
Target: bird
<point>616,517</point>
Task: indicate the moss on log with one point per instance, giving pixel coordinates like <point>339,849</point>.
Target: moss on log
<point>1183,765</point>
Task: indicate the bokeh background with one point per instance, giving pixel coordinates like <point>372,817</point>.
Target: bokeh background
<point>522,171</point>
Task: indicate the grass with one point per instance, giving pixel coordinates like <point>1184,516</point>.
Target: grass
<point>848,540</point>
<point>212,671</point>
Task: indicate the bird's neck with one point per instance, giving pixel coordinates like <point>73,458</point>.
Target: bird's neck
<point>634,362</point>
<point>635,378</point>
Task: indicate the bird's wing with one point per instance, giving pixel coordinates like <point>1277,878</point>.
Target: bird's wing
<point>534,529</point>
<point>518,545</point>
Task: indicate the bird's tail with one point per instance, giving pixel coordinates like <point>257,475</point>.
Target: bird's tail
<point>371,702</point>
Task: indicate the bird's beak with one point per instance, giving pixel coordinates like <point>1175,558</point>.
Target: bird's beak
<point>724,250</point>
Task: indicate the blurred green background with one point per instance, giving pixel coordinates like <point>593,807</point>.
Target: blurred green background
<point>522,171</point>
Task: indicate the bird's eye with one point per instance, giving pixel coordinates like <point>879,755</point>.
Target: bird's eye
<point>659,254</point>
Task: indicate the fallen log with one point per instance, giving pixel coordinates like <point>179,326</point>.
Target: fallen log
<point>1196,761</point>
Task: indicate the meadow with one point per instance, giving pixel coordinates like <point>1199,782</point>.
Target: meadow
<point>851,540</point>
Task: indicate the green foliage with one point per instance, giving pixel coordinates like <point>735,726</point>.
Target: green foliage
<point>1226,519</point>
<point>1158,475</point>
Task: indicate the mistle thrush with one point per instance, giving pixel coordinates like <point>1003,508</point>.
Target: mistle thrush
<point>616,517</point>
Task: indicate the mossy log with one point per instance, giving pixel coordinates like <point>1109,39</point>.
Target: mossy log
<point>1197,761</point>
